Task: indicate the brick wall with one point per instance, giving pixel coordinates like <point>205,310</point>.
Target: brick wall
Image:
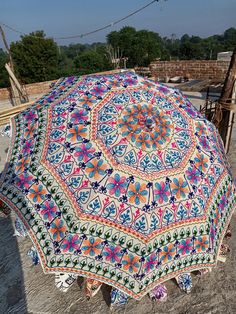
<point>197,69</point>
<point>32,89</point>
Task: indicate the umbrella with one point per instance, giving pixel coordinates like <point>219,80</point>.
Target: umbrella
<point>121,180</point>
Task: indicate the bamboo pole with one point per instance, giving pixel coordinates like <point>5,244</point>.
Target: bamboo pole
<point>231,119</point>
<point>18,93</point>
<point>227,94</point>
<point>7,47</point>
<point>13,77</point>
<point>15,94</point>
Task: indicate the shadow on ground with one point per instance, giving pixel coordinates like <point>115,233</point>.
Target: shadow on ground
<point>12,289</point>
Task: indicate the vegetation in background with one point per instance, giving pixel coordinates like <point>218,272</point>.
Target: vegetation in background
<point>92,60</point>
<point>37,58</point>
<point>4,80</point>
<point>140,47</point>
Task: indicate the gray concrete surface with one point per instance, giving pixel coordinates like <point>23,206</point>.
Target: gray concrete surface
<point>27,290</point>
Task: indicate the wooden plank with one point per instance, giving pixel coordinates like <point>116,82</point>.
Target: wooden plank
<point>231,120</point>
<point>15,96</point>
<point>6,114</point>
<point>12,75</point>
<point>18,91</point>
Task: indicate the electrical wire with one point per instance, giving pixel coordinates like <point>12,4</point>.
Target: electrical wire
<point>88,33</point>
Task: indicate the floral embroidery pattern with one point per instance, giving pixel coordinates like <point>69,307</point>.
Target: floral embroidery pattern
<point>185,246</point>
<point>95,168</point>
<point>24,180</point>
<point>79,116</point>
<point>150,263</point>
<point>201,244</point>
<point>167,253</point>
<point>204,143</point>
<point>201,129</point>
<point>223,202</point>
<point>201,162</point>
<point>37,193</point>
<point>48,210</point>
<point>87,100</point>
<point>193,175</point>
<point>30,131</point>
<point>28,146</point>
<point>84,152</point>
<point>57,229</point>
<point>145,126</point>
<point>30,116</point>
<point>121,179</point>
<point>162,192</point>
<point>112,254</point>
<point>179,188</point>
<point>92,247</point>
<point>137,193</point>
<point>130,263</point>
<point>76,133</point>
<point>159,293</point>
<point>185,282</point>
<point>99,90</point>
<point>22,164</point>
<point>117,185</point>
<point>71,243</point>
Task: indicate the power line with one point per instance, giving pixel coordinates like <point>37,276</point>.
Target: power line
<point>111,24</point>
<point>88,33</point>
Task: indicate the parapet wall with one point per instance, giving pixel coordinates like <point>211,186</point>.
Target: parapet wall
<point>32,89</point>
<point>193,69</point>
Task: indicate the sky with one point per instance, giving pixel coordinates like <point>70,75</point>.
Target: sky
<point>60,18</point>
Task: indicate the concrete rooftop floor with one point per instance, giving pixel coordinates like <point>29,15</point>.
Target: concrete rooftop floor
<point>26,289</point>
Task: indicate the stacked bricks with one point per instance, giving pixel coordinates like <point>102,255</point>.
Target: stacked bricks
<point>192,69</point>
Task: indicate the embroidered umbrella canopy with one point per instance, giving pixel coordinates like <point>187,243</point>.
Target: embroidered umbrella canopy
<point>121,180</point>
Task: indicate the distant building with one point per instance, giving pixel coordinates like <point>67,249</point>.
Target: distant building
<point>224,56</point>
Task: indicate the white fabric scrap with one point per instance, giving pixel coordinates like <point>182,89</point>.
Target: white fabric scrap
<point>64,281</point>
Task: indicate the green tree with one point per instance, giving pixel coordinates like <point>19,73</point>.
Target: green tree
<point>4,79</point>
<point>35,57</point>
<point>141,47</point>
<point>148,46</point>
<point>212,45</point>
<point>123,41</point>
<point>38,58</point>
<point>229,39</point>
<point>73,50</point>
<point>67,54</point>
<point>91,61</point>
<point>170,48</point>
<point>191,48</point>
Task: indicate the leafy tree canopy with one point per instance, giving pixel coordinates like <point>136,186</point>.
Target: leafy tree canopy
<point>35,57</point>
<point>140,47</point>
<point>38,58</point>
<point>4,80</point>
<point>91,61</point>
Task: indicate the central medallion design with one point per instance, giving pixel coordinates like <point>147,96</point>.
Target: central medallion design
<point>146,127</point>
<point>142,133</point>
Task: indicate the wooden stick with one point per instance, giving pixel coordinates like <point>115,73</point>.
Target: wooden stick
<point>226,94</point>
<point>6,114</point>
